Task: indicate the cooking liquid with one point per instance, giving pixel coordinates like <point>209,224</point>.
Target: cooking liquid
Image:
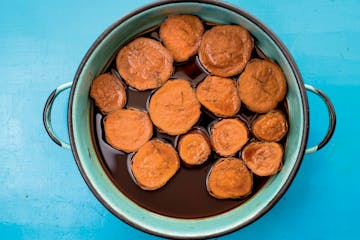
<point>185,195</point>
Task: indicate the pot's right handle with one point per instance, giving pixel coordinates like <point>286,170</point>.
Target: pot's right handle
<point>47,115</point>
<point>332,119</point>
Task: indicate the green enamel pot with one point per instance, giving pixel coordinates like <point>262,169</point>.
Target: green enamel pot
<point>82,143</point>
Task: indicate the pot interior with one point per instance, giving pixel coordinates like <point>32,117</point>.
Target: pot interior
<point>96,60</point>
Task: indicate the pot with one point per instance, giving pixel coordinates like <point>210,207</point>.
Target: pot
<point>82,145</point>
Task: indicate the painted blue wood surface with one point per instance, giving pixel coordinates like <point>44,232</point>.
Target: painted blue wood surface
<point>43,195</point>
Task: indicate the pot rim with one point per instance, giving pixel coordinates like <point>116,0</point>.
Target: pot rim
<point>285,52</point>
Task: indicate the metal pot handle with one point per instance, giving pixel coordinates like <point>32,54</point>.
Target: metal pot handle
<point>47,115</point>
<point>332,119</point>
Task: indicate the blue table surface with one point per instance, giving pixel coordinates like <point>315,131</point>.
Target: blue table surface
<point>43,195</point>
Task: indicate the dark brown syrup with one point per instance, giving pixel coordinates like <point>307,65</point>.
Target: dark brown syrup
<point>185,195</point>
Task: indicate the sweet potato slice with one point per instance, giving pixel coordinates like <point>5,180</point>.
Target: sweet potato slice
<point>181,35</point>
<point>262,85</point>
<point>194,147</point>
<point>229,178</point>
<point>154,164</point>
<point>174,108</point>
<point>263,158</point>
<point>219,95</point>
<point>225,49</point>
<point>271,127</point>
<point>108,92</point>
<point>127,129</point>
<point>228,136</point>
<point>144,63</point>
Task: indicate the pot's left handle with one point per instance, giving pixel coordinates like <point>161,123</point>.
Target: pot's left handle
<point>47,115</point>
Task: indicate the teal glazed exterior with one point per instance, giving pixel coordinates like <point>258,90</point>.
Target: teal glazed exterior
<point>82,145</point>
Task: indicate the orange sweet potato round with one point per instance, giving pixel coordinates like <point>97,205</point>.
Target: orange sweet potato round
<point>229,178</point>
<point>174,108</point>
<point>263,158</point>
<point>108,92</point>
<point>144,63</point>
<point>154,164</point>
<point>194,147</point>
<point>262,85</point>
<point>219,95</point>
<point>225,49</point>
<point>181,35</point>
<point>271,127</point>
<point>228,136</point>
<point>127,129</point>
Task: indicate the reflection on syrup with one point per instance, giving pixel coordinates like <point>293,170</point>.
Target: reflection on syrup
<point>185,195</point>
